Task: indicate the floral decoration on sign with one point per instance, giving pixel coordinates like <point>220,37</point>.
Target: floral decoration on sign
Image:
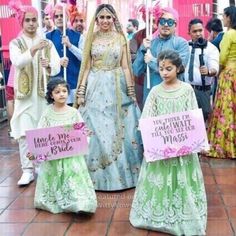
<point>173,152</point>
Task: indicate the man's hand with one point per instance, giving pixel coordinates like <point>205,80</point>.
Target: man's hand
<point>148,56</point>
<point>44,62</point>
<point>147,43</point>
<point>81,101</point>
<point>64,61</point>
<point>43,43</point>
<point>203,70</point>
<point>66,41</point>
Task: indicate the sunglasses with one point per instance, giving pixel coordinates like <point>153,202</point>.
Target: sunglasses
<point>169,22</point>
<point>57,16</point>
<point>104,17</point>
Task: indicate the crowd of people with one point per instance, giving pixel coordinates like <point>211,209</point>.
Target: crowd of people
<point>101,77</point>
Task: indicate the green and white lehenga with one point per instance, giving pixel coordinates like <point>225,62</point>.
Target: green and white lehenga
<point>170,195</point>
<point>64,185</point>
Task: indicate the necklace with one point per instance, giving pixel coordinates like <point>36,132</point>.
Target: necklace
<point>105,35</point>
<point>105,38</point>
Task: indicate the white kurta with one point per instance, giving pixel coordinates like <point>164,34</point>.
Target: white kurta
<point>28,111</point>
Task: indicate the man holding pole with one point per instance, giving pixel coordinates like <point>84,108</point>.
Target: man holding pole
<point>69,45</point>
<point>134,45</point>
<point>167,19</point>
<point>26,54</point>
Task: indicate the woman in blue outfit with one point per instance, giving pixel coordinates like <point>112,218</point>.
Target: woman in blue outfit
<point>166,39</point>
<point>107,103</point>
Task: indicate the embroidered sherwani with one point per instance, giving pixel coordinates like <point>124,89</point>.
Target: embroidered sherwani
<point>28,107</point>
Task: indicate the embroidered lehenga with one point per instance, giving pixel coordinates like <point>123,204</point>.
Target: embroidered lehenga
<point>115,151</point>
<point>170,195</point>
<point>64,185</point>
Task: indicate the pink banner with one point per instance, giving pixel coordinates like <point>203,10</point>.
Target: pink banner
<point>57,142</point>
<point>173,135</point>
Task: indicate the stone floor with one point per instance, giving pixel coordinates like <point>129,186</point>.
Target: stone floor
<point>18,216</point>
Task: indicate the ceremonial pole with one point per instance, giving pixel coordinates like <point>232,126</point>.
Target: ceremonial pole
<point>42,50</point>
<point>148,36</point>
<point>64,34</point>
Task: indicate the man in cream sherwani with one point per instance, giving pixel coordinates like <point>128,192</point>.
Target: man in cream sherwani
<point>29,53</point>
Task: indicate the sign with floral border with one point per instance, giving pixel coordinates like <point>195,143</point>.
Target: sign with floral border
<point>46,144</point>
<point>173,135</point>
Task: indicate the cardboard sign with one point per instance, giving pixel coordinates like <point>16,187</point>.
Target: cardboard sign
<point>173,135</point>
<point>57,142</point>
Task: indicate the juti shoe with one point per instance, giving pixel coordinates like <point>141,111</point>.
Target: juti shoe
<point>26,178</point>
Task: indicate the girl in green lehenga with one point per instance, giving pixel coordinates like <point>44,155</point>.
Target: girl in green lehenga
<point>63,185</point>
<point>170,195</point>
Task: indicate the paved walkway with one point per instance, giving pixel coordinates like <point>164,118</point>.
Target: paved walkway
<point>18,216</point>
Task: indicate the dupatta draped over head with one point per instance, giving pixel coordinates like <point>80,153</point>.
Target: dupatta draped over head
<point>89,38</point>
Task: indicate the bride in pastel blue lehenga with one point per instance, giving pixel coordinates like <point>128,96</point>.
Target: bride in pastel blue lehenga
<point>107,103</point>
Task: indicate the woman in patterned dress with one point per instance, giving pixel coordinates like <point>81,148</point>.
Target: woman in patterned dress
<point>107,103</point>
<point>222,123</point>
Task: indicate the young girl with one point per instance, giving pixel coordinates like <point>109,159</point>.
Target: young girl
<point>63,185</point>
<point>170,195</point>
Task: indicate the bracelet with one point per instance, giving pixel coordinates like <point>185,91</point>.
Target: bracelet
<point>81,91</point>
<point>80,95</point>
<point>130,89</point>
<point>82,88</point>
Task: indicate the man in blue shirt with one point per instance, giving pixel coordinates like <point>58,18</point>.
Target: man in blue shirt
<point>166,39</point>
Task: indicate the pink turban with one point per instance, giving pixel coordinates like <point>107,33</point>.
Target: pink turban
<point>20,10</point>
<point>172,11</point>
<point>155,10</point>
<point>50,9</point>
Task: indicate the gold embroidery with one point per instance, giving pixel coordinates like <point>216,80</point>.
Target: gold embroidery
<point>25,78</point>
<point>23,82</point>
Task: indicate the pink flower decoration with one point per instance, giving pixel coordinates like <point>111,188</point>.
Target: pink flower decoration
<point>168,151</point>
<point>217,112</point>
<point>218,148</point>
<point>219,133</point>
<point>185,150</point>
<point>222,120</point>
<point>232,126</point>
<point>79,125</point>
<point>41,158</point>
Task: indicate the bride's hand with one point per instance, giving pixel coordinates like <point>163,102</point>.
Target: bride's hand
<point>81,101</point>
